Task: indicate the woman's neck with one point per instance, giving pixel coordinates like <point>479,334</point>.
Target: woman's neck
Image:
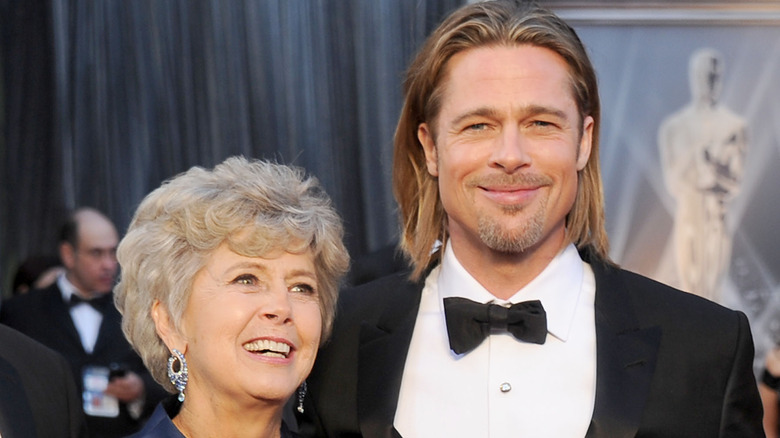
<point>211,419</point>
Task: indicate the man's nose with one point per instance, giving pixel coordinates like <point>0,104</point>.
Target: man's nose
<point>510,152</point>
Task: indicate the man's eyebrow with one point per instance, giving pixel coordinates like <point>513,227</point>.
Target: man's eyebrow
<point>527,111</point>
<point>478,112</point>
<point>535,110</point>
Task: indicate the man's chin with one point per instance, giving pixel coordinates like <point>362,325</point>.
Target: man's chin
<point>511,241</point>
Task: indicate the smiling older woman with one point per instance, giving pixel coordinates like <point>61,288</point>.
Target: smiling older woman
<point>228,287</point>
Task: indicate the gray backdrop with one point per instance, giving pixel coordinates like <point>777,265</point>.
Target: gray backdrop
<point>643,77</point>
<point>103,100</point>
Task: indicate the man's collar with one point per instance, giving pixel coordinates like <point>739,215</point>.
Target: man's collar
<point>558,287</point>
<point>66,287</point>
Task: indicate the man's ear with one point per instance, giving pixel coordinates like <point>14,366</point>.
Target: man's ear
<point>586,143</point>
<point>67,255</point>
<point>165,328</point>
<point>428,143</point>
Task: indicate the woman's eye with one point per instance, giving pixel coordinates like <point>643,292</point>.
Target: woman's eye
<point>246,279</point>
<point>303,288</point>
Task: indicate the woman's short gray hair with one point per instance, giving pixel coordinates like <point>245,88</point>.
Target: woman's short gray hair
<point>178,225</point>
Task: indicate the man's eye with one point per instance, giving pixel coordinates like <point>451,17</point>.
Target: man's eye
<point>542,124</point>
<point>303,288</point>
<point>477,127</point>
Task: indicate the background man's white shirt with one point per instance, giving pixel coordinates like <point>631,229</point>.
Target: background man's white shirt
<point>85,317</point>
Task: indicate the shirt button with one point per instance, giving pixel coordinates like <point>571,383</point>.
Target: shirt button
<point>505,387</point>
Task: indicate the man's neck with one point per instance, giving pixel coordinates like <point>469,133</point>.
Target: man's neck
<point>78,290</point>
<point>503,274</point>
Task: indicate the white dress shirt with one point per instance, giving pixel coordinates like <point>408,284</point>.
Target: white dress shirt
<point>86,319</point>
<point>505,387</point>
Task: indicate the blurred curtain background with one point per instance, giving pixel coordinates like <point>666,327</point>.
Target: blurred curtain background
<point>103,100</point>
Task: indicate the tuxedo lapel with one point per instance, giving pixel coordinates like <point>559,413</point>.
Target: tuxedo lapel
<point>59,315</point>
<point>110,331</point>
<point>382,355</point>
<point>625,359</point>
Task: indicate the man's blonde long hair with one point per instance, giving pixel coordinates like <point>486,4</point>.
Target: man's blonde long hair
<point>490,23</point>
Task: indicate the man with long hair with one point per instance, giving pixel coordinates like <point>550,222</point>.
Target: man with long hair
<point>513,321</point>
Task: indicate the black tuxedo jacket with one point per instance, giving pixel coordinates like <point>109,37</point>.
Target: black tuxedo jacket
<point>669,364</point>
<point>37,396</point>
<point>44,316</point>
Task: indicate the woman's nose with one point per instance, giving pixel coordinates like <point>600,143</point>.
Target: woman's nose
<point>277,306</point>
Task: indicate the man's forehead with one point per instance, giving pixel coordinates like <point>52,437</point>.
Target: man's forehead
<point>466,69</point>
<point>98,239</point>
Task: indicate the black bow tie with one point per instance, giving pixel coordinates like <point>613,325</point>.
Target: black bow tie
<point>469,323</point>
<point>100,303</point>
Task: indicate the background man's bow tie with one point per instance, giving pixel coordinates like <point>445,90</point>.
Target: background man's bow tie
<point>100,303</point>
<point>469,322</point>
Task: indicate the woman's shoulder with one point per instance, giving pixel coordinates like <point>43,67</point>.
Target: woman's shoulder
<point>160,424</point>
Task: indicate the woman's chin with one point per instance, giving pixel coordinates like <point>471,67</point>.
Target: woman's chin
<point>277,393</point>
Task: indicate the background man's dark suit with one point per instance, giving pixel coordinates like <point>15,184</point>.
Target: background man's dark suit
<point>37,396</point>
<point>44,316</point>
<point>668,363</point>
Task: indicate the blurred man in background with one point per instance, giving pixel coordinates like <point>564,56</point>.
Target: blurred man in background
<point>76,317</point>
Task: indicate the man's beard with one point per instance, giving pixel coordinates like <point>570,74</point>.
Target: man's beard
<point>511,241</point>
<point>490,227</point>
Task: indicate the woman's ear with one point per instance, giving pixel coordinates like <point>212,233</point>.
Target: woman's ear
<point>165,328</point>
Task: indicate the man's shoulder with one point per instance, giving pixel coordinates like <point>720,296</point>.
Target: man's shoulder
<point>656,301</point>
<point>643,285</point>
<point>41,379</point>
<point>21,350</point>
<point>32,312</point>
<point>30,301</point>
<point>36,295</point>
<point>390,297</point>
<point>384,290</point>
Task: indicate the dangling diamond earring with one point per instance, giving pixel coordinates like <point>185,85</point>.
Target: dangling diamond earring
<point>301,395</point>
<point>177,373</point>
